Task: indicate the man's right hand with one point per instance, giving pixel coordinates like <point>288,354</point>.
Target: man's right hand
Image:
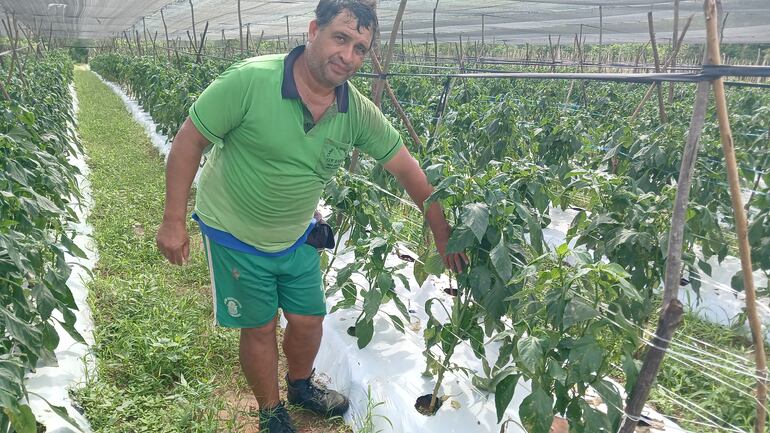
<point>174,241</point>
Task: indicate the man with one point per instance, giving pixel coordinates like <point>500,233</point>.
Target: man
<point>281,125</point>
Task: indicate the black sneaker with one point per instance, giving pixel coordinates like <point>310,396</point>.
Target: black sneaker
<point>276,420</point>
<point>316,397</point>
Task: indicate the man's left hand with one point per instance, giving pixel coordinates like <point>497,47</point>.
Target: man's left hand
<point>453,261</point>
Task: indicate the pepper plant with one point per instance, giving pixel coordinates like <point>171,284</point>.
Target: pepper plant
<point>37,187</point>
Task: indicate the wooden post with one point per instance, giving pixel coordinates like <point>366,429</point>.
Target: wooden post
<point>192,18</point>
<point>28,37</point>
<point>671,316</point>
<point>128,41</point>
<point>288,35</point>
<point>739,213</point>
<point>154,49</point>
<point>553,54</point>
<point>435,41</point>
<point>165,30</point>
<point>659,87</point>
<point>461,56</point>
<point>670,319</point>
<point>259,41</point>
<point>601,32</point>
<point>580,42</point>
<point>380,83</point>
<point>224,44</point>
<point>668,61</point>
<point>13,42</point>
<point>144,31</point>
<point>482,31</point>
<point>240,27</point>
<point>193,46</point>
<point>138,43</point>
<point>248,36</point>
<point>673,46</point>
<point>203,41</point>
<point>401,114</point>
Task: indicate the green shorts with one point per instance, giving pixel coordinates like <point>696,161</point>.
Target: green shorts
<point>248,289</point>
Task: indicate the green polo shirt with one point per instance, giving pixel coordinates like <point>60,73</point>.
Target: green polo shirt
<point>270,162</point>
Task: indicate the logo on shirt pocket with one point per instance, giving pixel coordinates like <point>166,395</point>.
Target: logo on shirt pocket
<point>333,154</point>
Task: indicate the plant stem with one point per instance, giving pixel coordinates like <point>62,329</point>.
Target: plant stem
<point>343,228</point>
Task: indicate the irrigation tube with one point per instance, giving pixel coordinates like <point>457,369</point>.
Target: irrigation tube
<point>708,73</point>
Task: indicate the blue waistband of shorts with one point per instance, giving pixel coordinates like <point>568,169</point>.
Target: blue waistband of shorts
<point>227,240</point>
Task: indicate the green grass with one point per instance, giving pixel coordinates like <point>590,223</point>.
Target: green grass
<point>696,380</point>
<point>162,366</point>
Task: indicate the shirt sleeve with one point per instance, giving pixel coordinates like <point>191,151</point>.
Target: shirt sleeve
<point>376,136</point>
<point>221,106</point>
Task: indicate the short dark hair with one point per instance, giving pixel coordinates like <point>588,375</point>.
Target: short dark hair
<point>363,10</point>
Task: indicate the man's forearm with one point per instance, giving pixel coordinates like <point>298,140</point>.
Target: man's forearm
<point>183,161</point>
<point>418,188</point>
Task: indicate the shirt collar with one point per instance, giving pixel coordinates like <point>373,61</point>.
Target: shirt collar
<point>289,86</point>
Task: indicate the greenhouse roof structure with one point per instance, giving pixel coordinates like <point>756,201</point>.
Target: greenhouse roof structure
<point>509,21</point>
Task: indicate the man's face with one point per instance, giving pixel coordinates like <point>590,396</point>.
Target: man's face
<point>336,51</point>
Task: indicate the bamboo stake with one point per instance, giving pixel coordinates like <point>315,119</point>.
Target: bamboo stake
<point>29,40</point>
<point>672,309</point>
<point>203,41</point>
<point>553,54</point>
<point>674,48</point>
<point>482,32</point>
<point>259,41</point>
<point>678,218</point>
<point>461,55</point>
<point>12,41</point>
<point>288,35</point>
<point>165,30</point>
<point>380,83</point>
<point>138,43</point>
<point>658,86</point>
<point>668,61</point>
<point>128,41</point>
<point>5,92</point>
<point>435,41</point>
<point>154,48</point>
<point>192,18</point>
<point>19,61</point>
<point>248,36</point>
<point>193,46</point>
<point>224,44</point>
<point>144,30</point>
<point>670,319</point>
<point>725,134</point>
<point>240,27</point>
<point>601,32</point>
<point>396,104</point>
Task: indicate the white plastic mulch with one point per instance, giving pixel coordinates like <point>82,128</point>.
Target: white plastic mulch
<point>53,382</point>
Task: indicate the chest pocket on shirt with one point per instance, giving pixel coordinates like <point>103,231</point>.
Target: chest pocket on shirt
<point>333,153</point>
